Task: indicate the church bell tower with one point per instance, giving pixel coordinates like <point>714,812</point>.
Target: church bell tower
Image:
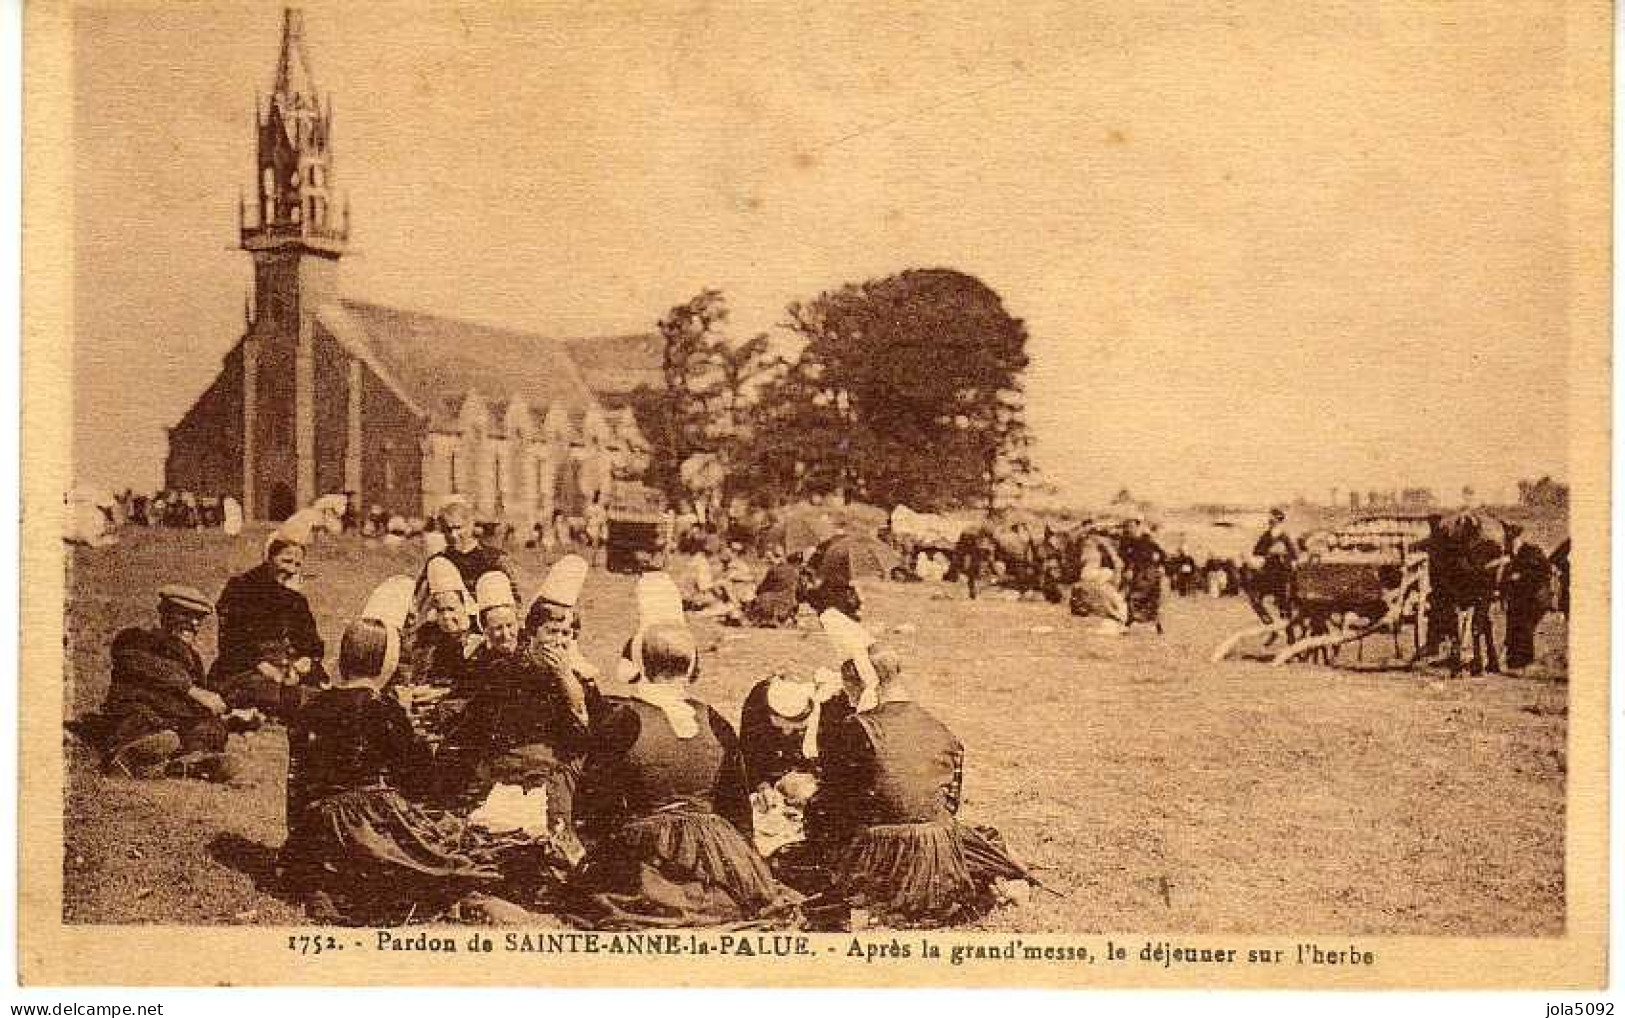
<point>296,234</point>
<point>295,221</point>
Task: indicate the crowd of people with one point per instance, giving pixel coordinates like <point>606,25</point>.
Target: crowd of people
<point>463,760</point>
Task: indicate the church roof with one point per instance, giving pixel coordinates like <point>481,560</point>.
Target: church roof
<point>434,362</point>
<point>616,365</point>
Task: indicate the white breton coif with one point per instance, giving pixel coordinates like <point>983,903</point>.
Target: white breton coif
<point>494,591</point>
<point>564,582</point>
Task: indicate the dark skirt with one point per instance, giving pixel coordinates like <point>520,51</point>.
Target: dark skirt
<point>376,851</point>
<point>922,875</point>
<point>1145,595</point>
<point>678,868</point>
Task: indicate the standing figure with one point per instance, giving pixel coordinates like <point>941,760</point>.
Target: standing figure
<point>670,806</point>
<point>1560,566</point>
<point>1142,575</point>
<point>464,549</point>
<point>159,719</point>
<point>1275,554</point>
<point>595,525</point>
<point>357,852</point>
<point>1526,590</point>
<point>267,603</point>
<point>883,823</point>
<point>1182,572</point>
<point>973,557</point>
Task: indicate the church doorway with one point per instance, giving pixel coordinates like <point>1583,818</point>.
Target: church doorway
<point>280,505</point>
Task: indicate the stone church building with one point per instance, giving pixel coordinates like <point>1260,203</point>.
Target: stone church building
<point>326,394</point>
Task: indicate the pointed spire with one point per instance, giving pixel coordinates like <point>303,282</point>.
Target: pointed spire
<point>293,73</point>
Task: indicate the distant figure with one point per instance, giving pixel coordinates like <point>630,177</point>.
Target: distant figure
<point>778,595</point>
<point>1526,589</point>
<point>831,565</point>
<point>1183,577</point>
<point>974,556</point>
<point>1275,554</point>
<point>1560,566</point>
<point>1095,594</point>
<point>595,524</point>
<point>1142,575</point>
<point>231,517</point>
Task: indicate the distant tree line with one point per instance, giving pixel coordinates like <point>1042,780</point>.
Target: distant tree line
<point>906,389</point>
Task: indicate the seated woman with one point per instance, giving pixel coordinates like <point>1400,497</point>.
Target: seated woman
<point>267,603</point>
<point>526,719</point>
<point>883,822</point>
<point>446,636</point>
<point>669,808</point>
<point>780,724</point>
<point>779,729</point>
<point>1095,594</point>
<point>777,596</point>
<point>440,649</point>
<point>357,851</point>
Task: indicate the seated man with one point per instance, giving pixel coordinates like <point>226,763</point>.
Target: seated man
<point>158,719</point>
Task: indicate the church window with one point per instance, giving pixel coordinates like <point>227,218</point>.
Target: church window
<point>389,475</point>
<point>454,472</point>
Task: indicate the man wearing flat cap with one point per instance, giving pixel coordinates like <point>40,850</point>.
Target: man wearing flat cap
<point>158,719</point>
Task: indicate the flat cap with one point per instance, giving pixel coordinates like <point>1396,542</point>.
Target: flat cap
<point>178,595</point>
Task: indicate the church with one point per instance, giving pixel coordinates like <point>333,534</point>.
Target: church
<point>324,394</point>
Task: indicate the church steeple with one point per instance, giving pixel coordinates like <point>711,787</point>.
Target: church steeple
<point>294,187</point>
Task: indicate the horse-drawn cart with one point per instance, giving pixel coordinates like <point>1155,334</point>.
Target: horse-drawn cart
<point>1367,578</point>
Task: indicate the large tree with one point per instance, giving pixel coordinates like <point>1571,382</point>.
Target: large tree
<point>909,389</point>
<point>704,409</point>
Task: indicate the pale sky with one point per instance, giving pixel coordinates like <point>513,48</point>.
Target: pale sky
<point>1261,249</point>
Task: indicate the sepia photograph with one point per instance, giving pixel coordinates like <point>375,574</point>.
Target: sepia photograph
<point>917,493</point>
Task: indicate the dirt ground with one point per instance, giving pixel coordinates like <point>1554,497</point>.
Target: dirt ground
<point>1151,789</point>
